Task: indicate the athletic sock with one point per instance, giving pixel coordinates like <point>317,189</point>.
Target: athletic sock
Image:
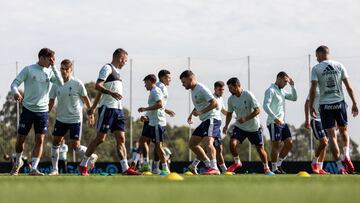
<point>237,159</point>
<point>18,157</point>
<point>85,160</point>
<point>124,165</point>
<point>266,165</point>
<point>35,162</point>
<point>223,168</point>
<point>321,165</point>
<point>315,160</point>
<point>55,157</point>
<point>213,164</point>
<point>274,166</point>
<point>195,163</point>
<point>346,152</point>
<point>279,162</point>
<point>207,163</point>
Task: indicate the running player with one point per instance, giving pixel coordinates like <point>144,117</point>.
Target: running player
<point>70,97</point>
<point>37,79</point>
<point>164,81</point>
<point>329,75</point>
<point>205,108</point>
<point>319,134</point>
<point>218,93</point>
<point>247,124</point>
<point>111,116</point>
<point>155,130</point>
<point>274,106</point>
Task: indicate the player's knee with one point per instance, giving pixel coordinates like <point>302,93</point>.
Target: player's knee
<point>100,140</point>
<point>121,141</point>
<point>342,129</point>
<point>288,143</point>
<point>324,142</point>
<point>192,145</point>
<point>260,149</point>
<point>233,143</point>
<point>21,138</point>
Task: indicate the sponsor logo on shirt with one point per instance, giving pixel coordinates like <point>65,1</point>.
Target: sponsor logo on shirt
<point>329,70</point>
<point>332,107</point>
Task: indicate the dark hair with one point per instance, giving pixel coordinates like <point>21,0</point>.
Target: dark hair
<point>118,52</point>
<point>66,63</point>
<point>186,74</point>
<point>162,73</point>
<point>233,81</point>
<point>46,52</point>
<point>282,74</point>
<point>219,84</point>
<point>322,49</point>
<point>151,78</point>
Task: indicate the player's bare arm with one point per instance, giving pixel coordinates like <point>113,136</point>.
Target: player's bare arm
<point>100,87</point>
<point>227,122</point>
<point>158,105</point>
<point>51,104</point>
<point>170,112</point>
<point>312,97</point>
<point>250,116</point>
<point>212,105</point>
<point>351,92</point>
<point>307,114</point>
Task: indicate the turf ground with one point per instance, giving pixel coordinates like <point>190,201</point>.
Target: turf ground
<point>223,189</point>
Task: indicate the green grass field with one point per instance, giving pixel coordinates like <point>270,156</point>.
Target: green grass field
<point>223,189</point>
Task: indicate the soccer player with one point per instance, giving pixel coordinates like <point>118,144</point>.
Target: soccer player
<point>70,97</point>
<point>135,155</point>
<point>319,134</point>
<point>247,124</point>
<point>164,81</point>
<point>111,116</point>
<point>37,79</point>
<point>218,93</point>
<point>274,106</point>
<point>329,76</point>
<point>155,130</point>
<point>205,108</point>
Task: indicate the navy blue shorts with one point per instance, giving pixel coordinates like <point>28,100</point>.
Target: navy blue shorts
<point>332,114</point>
<point>146,124</point>
<point>278,133</point>
<point>255,138</point>
<point>217,142</point>
<point>110,119</point>
<point>317,129</point>
<point>209,127</point>
<point>60,129</point>
<point>28,118</point>
<point>155,133</point>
